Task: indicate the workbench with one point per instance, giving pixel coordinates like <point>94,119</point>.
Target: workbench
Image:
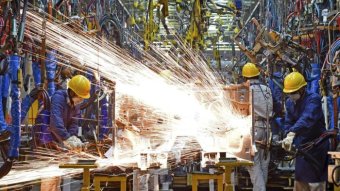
<point>86,173</point>
<point>196,176</point>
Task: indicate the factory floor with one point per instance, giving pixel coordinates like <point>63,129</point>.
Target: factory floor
<point>68,184</point>
<point>75,184</point>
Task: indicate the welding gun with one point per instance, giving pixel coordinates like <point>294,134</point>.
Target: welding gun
<point>303,151</point>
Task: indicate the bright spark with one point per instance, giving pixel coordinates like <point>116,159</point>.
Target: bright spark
<point>191,112</point>
<point>198,110</point>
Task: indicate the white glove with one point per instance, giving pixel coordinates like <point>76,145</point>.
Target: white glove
<point>73,142</point>
<point>288,141</point>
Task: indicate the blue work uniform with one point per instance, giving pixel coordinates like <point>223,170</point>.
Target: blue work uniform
<point>306,119</point>
<point>275,85</point>
<point>64,117</point>
<point>276,91</point>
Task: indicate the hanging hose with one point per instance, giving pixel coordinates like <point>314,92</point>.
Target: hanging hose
<point>3,125</point>
<point>42,123</point>
<point>14,62</point>
<point>22,23</point>
<point>4,67</point>
<point>3,64</point>
<point>45,71</point>
<point>51,66</point>
<point>117,28</point>
<point>43,119</point>
<point>36,73</point>
<point>334,47</point>
<point>313,79</point>
<point>5,92</point>
<point>323,137</point>
<point>330,112</point>
<point>104,127</point>
<point>36,93</point>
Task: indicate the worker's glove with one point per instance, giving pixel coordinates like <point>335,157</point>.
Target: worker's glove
<point>288,141</point>
<point>73,142</point>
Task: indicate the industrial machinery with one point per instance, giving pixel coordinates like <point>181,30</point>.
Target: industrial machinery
<point>143,123</point>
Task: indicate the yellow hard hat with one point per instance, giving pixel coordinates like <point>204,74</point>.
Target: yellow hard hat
<point>293,82</point>
<point>80,85</point>
<point>250,70</point>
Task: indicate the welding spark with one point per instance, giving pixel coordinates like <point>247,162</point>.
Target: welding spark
<point>190,111</point>
<point>190,103</point>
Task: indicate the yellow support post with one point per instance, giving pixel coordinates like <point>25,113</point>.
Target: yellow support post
<point>228,168</point>
<point>86,173</point>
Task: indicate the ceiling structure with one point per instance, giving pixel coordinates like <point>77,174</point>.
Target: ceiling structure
<point>219,28</point>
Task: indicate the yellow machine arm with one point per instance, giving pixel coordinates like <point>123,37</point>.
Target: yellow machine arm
<point>194,35</point>
<point>165,9</point>
<point>150,26</point>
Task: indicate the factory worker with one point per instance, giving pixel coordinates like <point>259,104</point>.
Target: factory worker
<point>263,107</point>
<point>304,121</point>
<point>65,111</point>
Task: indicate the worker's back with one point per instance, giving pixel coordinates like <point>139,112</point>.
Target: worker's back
<point>263,101</point>
<point>263,108</point>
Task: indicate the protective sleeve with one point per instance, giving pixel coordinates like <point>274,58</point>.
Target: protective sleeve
<point>57,123</point>
<point>289,120</point>
<point>73,129</point>
<point>311,114</point>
